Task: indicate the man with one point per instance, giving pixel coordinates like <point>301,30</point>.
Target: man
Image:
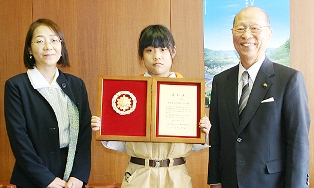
<point>265,142</point>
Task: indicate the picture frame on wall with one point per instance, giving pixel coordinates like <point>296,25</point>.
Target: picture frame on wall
<point>219,51</point>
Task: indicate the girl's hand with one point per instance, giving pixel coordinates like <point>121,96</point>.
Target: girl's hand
<point>205,125</point>
<point>74,183</point>
<point>95,123</point>
<point>57,183</point>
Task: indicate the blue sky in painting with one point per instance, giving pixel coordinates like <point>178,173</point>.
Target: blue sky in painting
<point>219,14</point>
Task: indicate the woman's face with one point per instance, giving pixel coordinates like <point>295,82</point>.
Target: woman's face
<point>45,47</point>
<point>158,61</point>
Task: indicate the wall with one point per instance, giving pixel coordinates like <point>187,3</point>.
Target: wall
<point>14,21</point>
<point>101,37</point>
<point>302,56</point>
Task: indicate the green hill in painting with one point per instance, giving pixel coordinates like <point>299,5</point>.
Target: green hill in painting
<point>216,61</point>
<point>281,55</point>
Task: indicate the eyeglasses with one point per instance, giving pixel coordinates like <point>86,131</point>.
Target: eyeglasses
<point>254,29</point>
<point>41,42</point>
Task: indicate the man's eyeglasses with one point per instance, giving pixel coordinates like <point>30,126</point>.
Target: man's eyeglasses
<point>254,29</point>
<point>41,42</point>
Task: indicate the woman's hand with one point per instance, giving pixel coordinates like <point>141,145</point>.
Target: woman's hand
<point>95,123</point>
<point>205,125</point>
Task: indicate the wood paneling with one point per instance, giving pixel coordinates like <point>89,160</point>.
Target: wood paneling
<point>101,38</point>
<point>15,18</point>
<point>187,28</point>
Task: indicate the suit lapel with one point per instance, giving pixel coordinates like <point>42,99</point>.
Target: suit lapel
<point>232,96</point>
<point>258,92</point>
<point>65,86</point>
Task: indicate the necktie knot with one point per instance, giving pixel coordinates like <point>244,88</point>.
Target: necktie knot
<point>245,78</point>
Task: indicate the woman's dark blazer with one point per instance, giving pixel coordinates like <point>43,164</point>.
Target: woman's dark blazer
<point>33,132</point>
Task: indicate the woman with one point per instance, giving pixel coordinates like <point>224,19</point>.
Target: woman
<point>47,115</point>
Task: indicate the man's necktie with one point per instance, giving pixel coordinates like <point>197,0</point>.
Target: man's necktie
<point>245,91</point>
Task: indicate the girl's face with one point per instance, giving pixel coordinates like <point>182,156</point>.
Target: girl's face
<point>46,47</point>
<point>158,60</point>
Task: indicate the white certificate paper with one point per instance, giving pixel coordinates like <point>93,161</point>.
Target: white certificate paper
<point>178,110</point>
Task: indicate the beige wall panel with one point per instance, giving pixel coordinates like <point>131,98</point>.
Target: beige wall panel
<point>302,57</point>
<point>187,28</point>
<point>14,19</point>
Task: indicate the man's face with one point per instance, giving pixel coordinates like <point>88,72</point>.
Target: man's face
<point>251,34</point>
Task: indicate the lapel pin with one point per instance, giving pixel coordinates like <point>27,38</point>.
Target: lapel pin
<point>264,85</point>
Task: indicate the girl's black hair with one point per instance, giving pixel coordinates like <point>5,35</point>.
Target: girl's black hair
<point>156,36</point>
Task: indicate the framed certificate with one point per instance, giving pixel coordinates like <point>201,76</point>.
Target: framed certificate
<point>178,105</point>
<point>137,108</point>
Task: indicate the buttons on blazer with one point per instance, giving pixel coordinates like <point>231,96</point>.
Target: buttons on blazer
<point>63,85</point>
<point>52,129</point>
<point>307,179</point>
<point>239,140</point>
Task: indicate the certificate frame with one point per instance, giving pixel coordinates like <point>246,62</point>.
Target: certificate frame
<point>124,127</point>
<point>194,86</point>
<point>143,124</point>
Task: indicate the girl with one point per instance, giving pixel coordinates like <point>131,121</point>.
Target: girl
<point>156,49</point>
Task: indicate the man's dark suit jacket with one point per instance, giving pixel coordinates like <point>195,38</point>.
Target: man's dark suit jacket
<point>270,146</point>
<point>33,131</point>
